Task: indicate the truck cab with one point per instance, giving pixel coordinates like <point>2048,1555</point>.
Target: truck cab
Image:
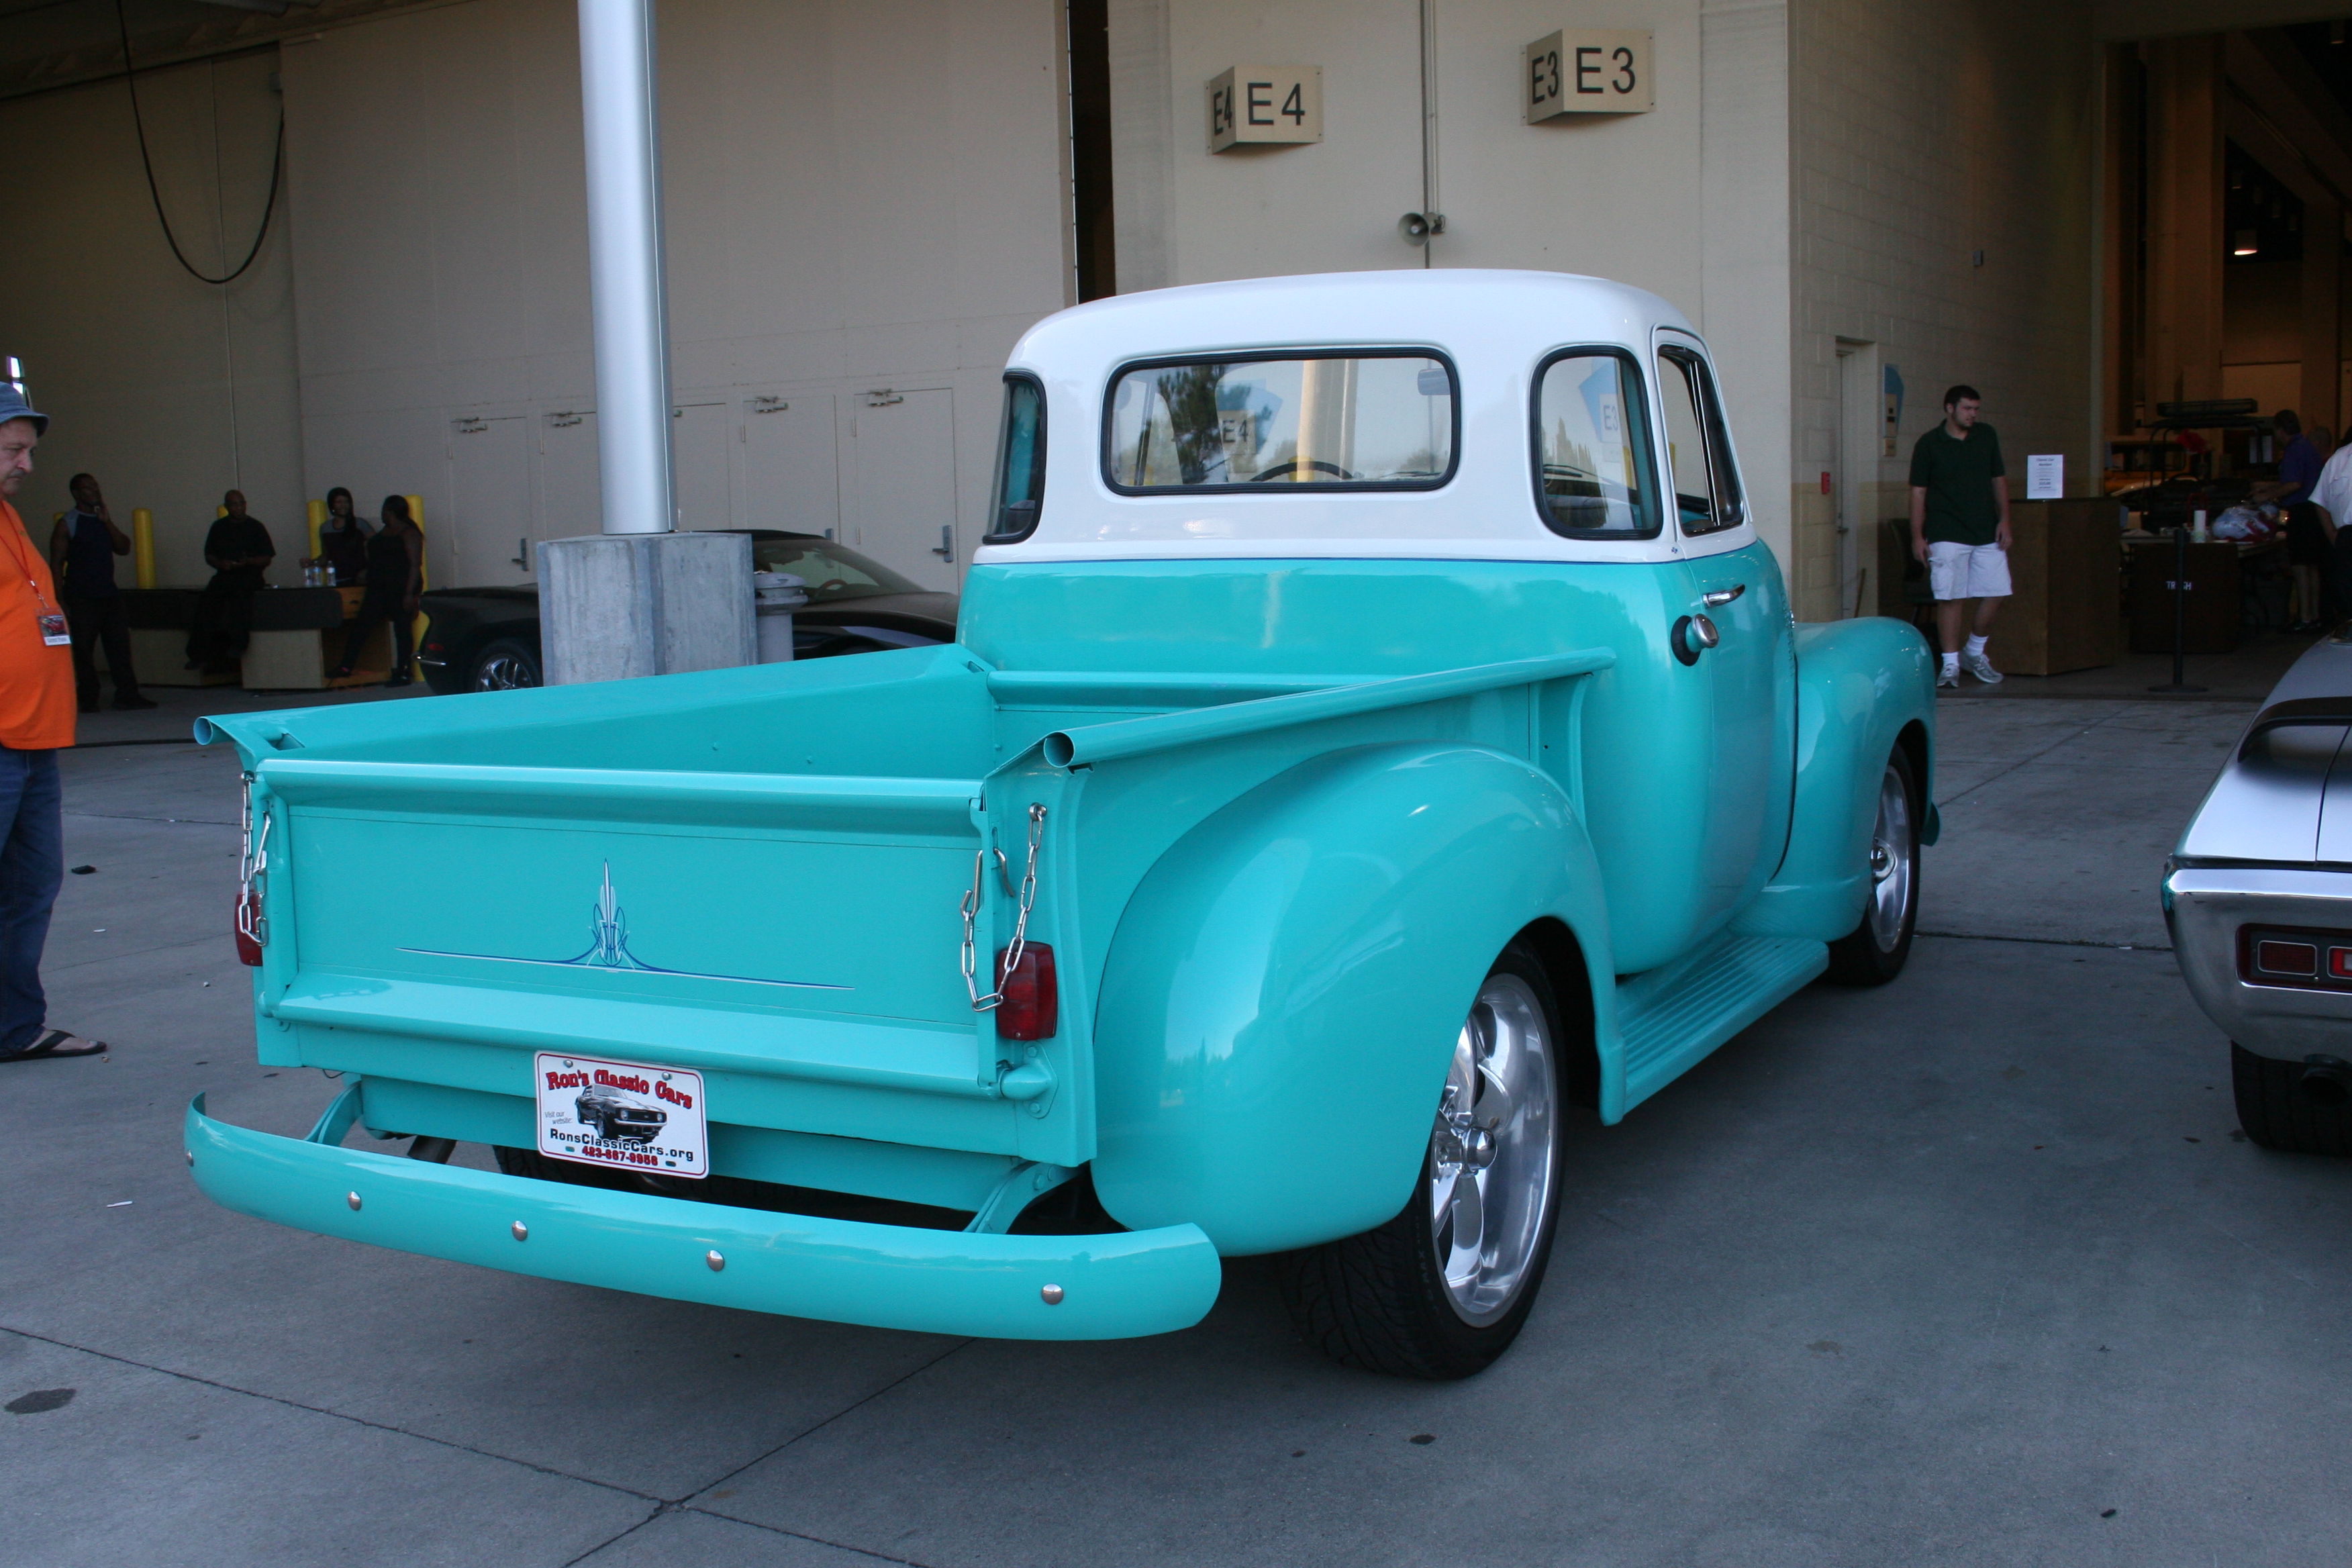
<point>1374,731</point>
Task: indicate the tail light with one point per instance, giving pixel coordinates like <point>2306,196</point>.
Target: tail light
<point>1031,1007</point>
<point>2298,957</point>
<point>248,927</point>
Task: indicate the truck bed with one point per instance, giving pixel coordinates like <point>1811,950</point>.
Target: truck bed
<point>758,875</point>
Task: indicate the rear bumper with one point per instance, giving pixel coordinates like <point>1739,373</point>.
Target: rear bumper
<point>893,1277</point>
<point>2204,906</point>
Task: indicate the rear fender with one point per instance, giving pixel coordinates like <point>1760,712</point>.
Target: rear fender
<point>1864,687</point>
<point>1282,995</point>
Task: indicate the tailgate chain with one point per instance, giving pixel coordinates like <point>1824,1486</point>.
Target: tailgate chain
<point>252,872</point>
<point>1020,925</point>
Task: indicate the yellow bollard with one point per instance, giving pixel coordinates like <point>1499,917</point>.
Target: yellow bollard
<point>416,516</point>
<point>143,544</point>
<point>423,573</point>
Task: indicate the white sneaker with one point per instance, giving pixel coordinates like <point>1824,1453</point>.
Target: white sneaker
<point>1980,666</point>
<point>1947,675</point>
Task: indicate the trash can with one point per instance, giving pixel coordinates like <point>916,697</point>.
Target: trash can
<point>2212,616</point>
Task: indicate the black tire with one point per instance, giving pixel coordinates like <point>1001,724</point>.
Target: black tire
<point>1379,1301</point>
<point>2277,1114</point>
<point>505,664</point>
<point>1863,956</point>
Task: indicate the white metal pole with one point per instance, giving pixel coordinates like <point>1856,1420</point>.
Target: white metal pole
<point>618,113</point>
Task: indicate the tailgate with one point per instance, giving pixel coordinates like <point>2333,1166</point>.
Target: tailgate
<point>759,927</point>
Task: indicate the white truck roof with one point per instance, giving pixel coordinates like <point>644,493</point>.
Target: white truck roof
<point>1496,326</point>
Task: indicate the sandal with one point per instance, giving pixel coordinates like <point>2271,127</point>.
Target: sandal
<point>56,1043</point>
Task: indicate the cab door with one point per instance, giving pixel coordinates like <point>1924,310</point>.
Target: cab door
<point>1739,642</point>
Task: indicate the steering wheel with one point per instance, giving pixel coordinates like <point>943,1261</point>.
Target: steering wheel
<point>1312,465</point>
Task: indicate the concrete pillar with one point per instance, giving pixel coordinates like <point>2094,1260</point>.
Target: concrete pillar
<point>2185,88</point>
<point>614,606</point>
<point>2323,294</point>
<point>637,599</point>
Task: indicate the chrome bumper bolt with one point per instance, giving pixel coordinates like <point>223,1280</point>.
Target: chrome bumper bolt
<point>521,1231</point>
<point>717,1260</point>
<point>353,1199</point>
<point>1052,1295</point>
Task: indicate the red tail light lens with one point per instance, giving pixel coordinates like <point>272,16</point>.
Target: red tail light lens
<point>1032,1008</point>
<point>2296,957</point>
<point>248,920</point>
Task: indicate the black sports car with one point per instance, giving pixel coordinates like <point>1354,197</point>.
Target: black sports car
<point>486,639</point>
<point>614,1118</point>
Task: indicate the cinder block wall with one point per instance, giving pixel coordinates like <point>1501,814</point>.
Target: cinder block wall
<point>1920,134</point>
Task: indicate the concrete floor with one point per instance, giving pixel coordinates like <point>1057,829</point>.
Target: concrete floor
<point>1974,1269</point>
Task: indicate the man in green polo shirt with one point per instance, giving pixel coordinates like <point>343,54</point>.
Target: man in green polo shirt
<point>1959,528</point>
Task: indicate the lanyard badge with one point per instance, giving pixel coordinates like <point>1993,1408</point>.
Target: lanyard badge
<point>54,633</point>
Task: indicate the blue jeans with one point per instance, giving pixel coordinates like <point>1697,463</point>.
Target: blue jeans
<point>32,864</point>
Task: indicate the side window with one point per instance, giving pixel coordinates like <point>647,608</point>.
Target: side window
<point>1020,462</point>
<point>1592,447</point>
<point>1706,485</point>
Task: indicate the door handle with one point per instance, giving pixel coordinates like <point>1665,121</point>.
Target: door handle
<point>1722,597</point>
<point>945,549</point>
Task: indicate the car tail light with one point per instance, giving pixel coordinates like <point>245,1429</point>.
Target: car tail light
<point>1031,1007</point>
<point>249,924</point>
<point>2293,956</point>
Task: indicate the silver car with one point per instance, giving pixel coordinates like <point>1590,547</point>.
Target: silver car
<point>2259,897</point>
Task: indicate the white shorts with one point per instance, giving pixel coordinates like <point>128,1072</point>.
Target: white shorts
<point>1968,571</point>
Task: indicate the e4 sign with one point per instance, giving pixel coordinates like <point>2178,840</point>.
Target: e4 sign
<point>1260,106</point>
<point>1586,71</point>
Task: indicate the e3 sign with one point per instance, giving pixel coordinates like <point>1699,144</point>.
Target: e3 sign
<point>1586,71</point>
<point>1258,106</point>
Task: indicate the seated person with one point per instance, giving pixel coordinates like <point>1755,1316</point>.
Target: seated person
<point>239,550</point>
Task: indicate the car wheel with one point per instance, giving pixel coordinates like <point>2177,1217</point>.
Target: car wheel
<point>1874,951</point>
<point>2295,1108</point>
<point>1443,1289</point>
<point>505,665</point>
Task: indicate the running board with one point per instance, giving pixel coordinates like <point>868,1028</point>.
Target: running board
<point>1670,1018</point>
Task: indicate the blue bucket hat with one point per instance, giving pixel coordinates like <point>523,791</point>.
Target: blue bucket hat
<point>14,406</point>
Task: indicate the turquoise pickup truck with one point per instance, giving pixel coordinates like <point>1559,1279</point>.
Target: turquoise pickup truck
<point>1377,750</point>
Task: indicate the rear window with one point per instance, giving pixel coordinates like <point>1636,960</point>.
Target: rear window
<point>1592,447</point>
<point>833,572</point>
<point>1332,422</point>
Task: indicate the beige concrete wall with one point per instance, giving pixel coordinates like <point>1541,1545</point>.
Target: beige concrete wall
<point>835,225</point>
<point>168,389</point>
<point>1689,200</point>
<point>1923,133</point>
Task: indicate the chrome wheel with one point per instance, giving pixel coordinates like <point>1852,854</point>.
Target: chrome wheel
<point>1491,1167</point>
<point>1892,856</point>
<point>505,669</point>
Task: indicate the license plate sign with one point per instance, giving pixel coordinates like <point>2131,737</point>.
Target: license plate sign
<point>622,1115</point>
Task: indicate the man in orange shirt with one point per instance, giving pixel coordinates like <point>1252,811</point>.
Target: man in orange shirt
<point>37,719</point>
